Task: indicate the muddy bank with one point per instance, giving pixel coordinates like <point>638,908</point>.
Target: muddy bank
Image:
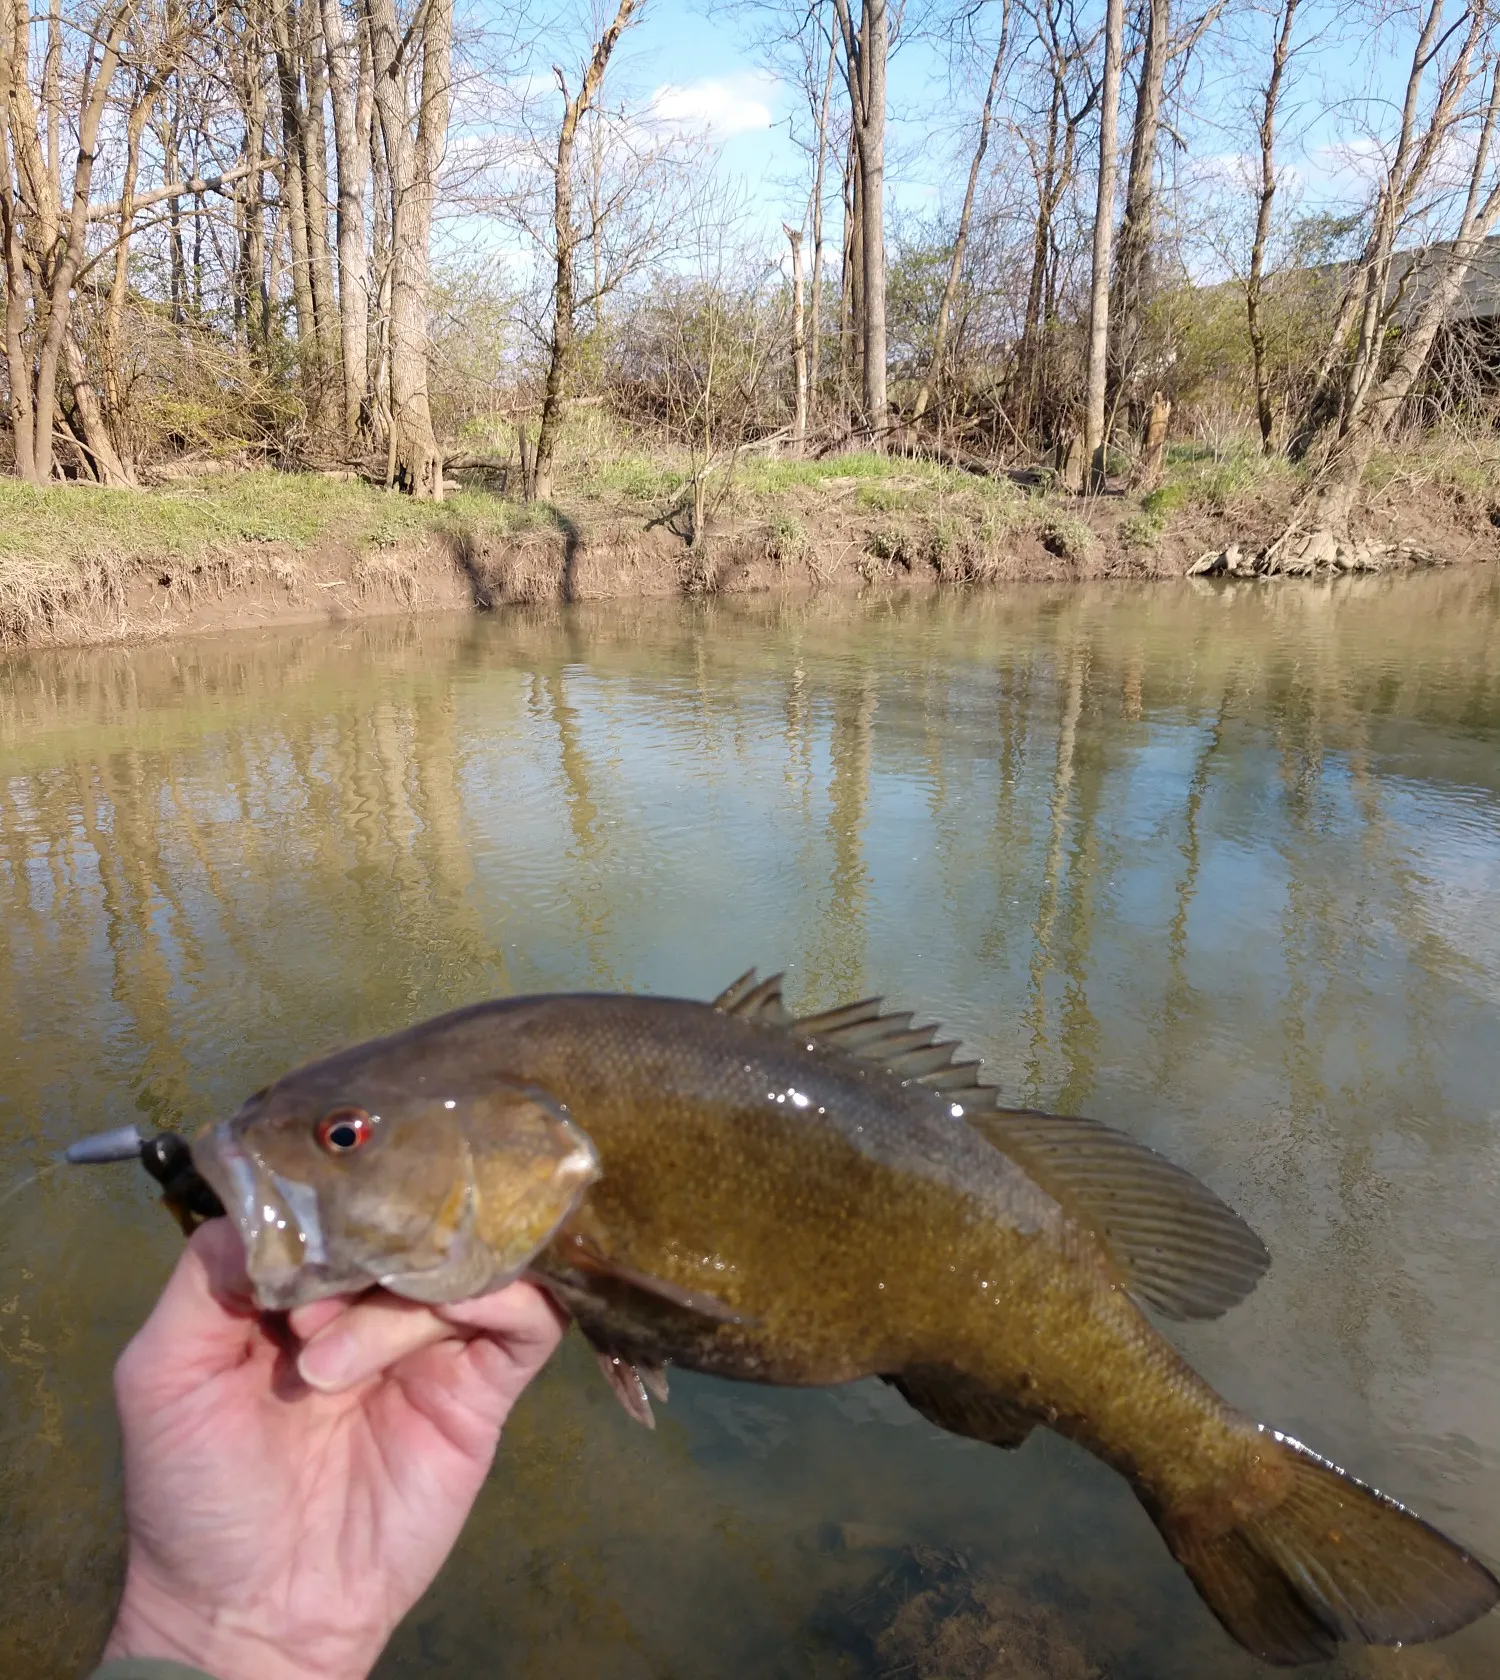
<point>124,597</point>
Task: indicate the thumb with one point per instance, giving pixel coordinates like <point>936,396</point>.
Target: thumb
<point>204,1323</point>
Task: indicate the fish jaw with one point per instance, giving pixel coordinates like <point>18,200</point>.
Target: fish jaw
<point>279,1223</point>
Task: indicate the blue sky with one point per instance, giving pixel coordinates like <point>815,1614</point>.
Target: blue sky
<point>696,64</point>
<point>703,70</point>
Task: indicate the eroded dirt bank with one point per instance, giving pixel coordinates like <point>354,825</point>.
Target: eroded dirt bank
<point>847,543</point>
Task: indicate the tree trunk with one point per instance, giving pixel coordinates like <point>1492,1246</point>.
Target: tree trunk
<point>294,197</point>
<point>1153,454</point>
<point>314,149</point>
<point>349,80</point>
<point>70,251</point>
<point>799,344</point>
<point>414,159</point>
<point>851,289</point>
<point>815,290</point>
<point>17,279</point>
<point>1254,284</point>
<point>377,344</point>
<point>1095,438</point>
<point>1132,260</point>
<point>565,238</point>
<point>875,43</point>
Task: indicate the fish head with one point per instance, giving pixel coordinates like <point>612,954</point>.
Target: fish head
<point>351,1173</point>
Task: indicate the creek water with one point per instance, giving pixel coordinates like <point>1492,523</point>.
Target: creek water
<point>1219,865</point>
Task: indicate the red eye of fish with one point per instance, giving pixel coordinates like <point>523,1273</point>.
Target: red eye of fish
<point>344,1129</point>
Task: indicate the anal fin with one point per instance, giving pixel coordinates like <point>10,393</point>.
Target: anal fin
<point>964,1407</point>
<point>630,1384</point>
<point>635,1382</point>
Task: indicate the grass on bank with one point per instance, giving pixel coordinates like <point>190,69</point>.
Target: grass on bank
<point>69,552</point>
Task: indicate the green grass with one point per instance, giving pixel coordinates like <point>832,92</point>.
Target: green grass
<point>66,524</point>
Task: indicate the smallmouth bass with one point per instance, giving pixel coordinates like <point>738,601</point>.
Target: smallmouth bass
<point>731,1190</point>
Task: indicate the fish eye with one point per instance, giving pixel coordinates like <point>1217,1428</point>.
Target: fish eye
<point>343,1130</point>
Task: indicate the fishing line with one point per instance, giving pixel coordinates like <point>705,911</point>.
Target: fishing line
<point>26,1180</point>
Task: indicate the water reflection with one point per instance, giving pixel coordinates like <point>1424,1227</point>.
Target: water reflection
<point>1222,865</point>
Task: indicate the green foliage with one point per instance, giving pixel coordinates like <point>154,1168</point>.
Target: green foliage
<point>882,498</point>
<point>1165,499</point>
<point>297,510</point>
<point>637,479</point>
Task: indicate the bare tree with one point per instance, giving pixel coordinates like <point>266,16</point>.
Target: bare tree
<point>350,82</point>
<point>1255,280</point>
<point>965,217</point>
<point>866,49</point>
<point>565,244</point>
<point>1095,435</point>
<point>799,343</point>
<point>1449,108</point>
<point>414,140</point>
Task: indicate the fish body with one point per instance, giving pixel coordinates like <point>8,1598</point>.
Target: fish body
<point>730,1190</point>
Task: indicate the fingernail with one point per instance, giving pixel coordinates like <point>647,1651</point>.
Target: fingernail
<point>329,1361</point>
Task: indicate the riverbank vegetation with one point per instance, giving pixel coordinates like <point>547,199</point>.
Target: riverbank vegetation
<point>1208,285</point>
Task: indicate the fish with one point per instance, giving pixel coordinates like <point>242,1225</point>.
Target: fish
<point>729,1189</point>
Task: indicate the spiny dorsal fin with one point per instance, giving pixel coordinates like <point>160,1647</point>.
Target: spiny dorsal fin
<point>890,1041</point>
<point>860,1030</point>
<point>1177,1246</point>
<point>755,1000</point>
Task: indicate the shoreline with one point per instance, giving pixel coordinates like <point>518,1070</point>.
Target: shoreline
<point>369,554</point>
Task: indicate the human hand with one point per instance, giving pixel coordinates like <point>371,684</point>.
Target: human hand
<point>285,1506</point>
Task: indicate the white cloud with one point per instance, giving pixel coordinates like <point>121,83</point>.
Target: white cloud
<point>718,107</point>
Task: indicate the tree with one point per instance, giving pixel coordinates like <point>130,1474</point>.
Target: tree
<point>1095,433</point>
<point>961,237</point>
<point>866,49</point>
<point>565,245</point>
<point>1255,280</point>
<point>414,139</point>
<point>1394,308</point>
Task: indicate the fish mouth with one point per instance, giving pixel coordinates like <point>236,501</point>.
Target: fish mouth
<point>278,1221</point>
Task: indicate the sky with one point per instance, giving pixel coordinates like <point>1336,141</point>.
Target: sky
<point>694,63</point>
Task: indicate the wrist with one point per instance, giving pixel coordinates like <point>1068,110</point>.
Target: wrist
<point>226,1643</point>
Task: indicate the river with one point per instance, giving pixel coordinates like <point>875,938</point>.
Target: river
<point>1220,865</point>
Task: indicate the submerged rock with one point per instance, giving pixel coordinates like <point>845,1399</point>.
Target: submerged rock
<point>931,1616</point>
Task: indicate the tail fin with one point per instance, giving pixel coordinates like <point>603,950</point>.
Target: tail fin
<point>1332,1560</point>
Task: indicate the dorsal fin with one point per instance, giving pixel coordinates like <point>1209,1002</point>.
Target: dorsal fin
<point>1177,1246</point>
<point>860,1030</point>
<point>755,1000</point>
<point>911,1053</point>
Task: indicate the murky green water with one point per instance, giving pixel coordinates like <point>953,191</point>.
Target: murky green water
<point>1222,867</point>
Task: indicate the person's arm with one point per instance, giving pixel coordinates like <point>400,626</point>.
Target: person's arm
<point>291,1489</point>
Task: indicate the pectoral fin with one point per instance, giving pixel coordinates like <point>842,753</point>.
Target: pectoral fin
<point>586,1262</point>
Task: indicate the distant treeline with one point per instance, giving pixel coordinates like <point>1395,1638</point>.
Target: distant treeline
<point>217,233</point>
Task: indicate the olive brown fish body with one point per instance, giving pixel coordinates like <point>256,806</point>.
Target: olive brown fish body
<point>731,1191</point>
